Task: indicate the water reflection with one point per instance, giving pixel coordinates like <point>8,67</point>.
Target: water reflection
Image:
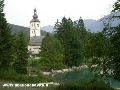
<point>80,74</point>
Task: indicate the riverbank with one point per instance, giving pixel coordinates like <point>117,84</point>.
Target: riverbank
<point>54,72</point>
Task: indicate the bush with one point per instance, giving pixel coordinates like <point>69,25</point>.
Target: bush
<point>11,75</point>
<point>21,70</point>
<point>84,85</point>
<point>33,79</point>
<point>34,63</point>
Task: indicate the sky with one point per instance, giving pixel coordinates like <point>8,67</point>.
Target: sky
<point>20,12</point>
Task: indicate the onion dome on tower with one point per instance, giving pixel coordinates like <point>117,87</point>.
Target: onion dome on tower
<point>35,16</point>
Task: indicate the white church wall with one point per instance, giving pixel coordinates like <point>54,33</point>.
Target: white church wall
<point>34,49</point>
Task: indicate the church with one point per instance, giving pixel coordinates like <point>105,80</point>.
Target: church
<point>35,35</point>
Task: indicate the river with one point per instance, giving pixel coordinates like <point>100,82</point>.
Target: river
<point>80,74</point>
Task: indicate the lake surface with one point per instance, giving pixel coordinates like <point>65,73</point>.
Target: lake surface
<point>82,74</point>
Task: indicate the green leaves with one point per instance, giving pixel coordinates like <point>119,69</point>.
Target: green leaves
<point>116,6</point>
<point>1,5</point>
<point>115,54</point>
<point>21,53</point>
<point>70,34</point>
<point>5,40</point>
<point>51,53</point>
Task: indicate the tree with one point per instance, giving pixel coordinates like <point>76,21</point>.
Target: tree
<point>68,36</point>
<point>115,53</point>
<point>104,46</point>
<point>51,53</point>
<point>80,29</point>
<point>5,40</point>
<point>98,48</point>
<point>116,6</point>
<point>21,53</point>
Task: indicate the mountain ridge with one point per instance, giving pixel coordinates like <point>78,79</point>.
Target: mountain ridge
<point>91,24</point>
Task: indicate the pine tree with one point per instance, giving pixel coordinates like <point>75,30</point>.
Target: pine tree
<point>68,36</point>
<point>21,53</point>
<point>5,40</point>
<point>80,29</point>
<point>51,53</point>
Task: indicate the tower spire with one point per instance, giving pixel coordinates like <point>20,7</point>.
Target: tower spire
<point>35,10</point>
<point>35,16</point>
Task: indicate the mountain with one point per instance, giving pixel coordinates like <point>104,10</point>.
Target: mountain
<point>92,25</point>
<point>98,25</point>
<point>48,28</point>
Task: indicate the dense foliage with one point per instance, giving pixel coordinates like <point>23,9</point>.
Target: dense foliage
<point>20,53</point>
<point>11,75</point>
<point>5,40</point>
<point>71,34</point>
<point>84,85</point>
<point>13,48</point>
<point>51,53</point>
<point>103,47</point>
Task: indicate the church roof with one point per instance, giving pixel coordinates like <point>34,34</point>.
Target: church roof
<point>34,20</point>
<point>36,40</point>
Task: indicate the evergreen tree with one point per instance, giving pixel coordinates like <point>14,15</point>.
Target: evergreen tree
<point>51,53</point>
<point>80,29</point>
<point>67,34</point>
<point>5,40</point>
<point>20,53</point>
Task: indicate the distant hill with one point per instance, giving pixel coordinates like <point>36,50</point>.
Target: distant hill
<point>48,28</point>
<point>16,28</point>
<point>95,26</point>
<point>92,25</point>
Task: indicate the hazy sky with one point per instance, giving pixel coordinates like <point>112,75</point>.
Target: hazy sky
<point>20,12</point>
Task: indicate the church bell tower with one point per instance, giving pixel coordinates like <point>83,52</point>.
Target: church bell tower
<point>35,25</point>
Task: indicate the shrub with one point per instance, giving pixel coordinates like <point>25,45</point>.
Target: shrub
<point>84,85</point>
<point>12,75</point>
<point>9,74</point>
<point>34,63</point>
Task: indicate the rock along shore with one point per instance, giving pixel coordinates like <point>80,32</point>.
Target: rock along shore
<point>53,72</point>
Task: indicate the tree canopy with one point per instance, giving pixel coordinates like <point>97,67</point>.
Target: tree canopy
<point>71,35</point>
<point>51,53</point>
<point>5,40</point>
<point>103,47</point>
<point>20,53</point>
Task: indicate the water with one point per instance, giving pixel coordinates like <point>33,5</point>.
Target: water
<point>82,74</point>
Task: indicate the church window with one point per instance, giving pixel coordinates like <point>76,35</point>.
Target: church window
<point>37,25</point>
